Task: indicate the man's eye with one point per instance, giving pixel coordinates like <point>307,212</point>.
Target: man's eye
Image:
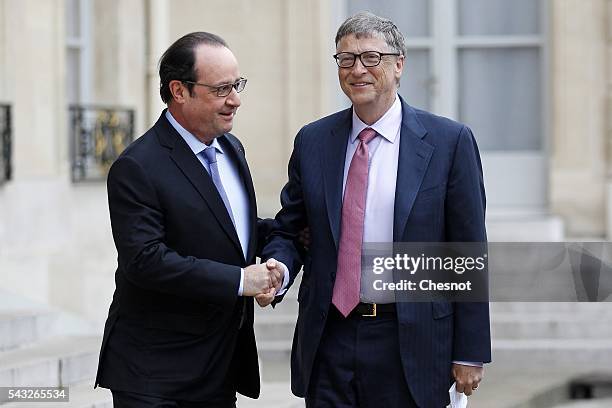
<point>370,57</point>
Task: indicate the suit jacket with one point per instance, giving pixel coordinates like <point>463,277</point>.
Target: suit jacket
<point>439,197</point>
<point>173,328</point>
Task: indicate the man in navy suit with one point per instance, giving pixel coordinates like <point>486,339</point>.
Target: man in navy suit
<point>380,171</point>
<point>184,219</point>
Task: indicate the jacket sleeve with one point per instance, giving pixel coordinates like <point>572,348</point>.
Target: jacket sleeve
<point>465,222</point>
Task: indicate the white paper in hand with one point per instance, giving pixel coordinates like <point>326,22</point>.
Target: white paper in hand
<point>457,399</point>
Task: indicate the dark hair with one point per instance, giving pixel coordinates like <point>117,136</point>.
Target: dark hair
<point>178,61</point>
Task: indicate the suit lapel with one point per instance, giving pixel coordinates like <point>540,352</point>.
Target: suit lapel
<point>334,155</point>
<point>414,157</point>
<point>237,153</point>
<point>193,170</point>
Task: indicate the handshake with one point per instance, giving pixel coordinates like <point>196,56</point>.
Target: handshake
<point>263,281</point>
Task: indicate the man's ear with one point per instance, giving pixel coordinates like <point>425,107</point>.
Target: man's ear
<point>399,66</point>
<point>178,90</point>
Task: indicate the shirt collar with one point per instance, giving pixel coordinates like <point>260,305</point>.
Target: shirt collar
<point>387,126</point>
<point>194,144</point>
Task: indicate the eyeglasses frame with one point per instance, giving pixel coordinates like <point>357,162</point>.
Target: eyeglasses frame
<point>217,88</point>
<point>380,55</point>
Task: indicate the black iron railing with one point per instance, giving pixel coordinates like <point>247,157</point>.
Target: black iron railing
<point>98,134</point>
<point>6,164</point>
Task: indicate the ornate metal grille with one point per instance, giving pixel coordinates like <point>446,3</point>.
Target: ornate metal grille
<point>5,143</point>
<point>98,135</point>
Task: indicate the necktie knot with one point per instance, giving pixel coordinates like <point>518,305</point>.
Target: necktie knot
<point>366,135</point>
<point>210,153</point>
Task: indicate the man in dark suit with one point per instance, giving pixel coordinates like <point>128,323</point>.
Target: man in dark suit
<point>184,219</point>
<point>380,171</point>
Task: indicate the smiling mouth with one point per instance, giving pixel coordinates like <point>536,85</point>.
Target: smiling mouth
<point>360,84</point>
<point>227,115</point>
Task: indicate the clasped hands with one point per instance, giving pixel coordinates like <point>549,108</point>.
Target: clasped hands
<point>263,281</point>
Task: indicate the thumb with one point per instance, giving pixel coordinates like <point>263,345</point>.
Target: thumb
<point>271,263</point>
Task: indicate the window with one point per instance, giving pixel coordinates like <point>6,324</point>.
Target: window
<point>478,61</point>
<point>481,62</point>
<point>78,51</point>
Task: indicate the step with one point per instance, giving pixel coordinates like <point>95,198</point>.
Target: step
<point>289,307</point>
<point>60,361</point>
<point>274,360</point>
<point>600,309</point>
<point>550,325</point>
<point>279,326</point>
<point>80,396</point>
<point>23,327</point>
<point>555,354</point>
<point>274,327</point>
<point>274,349</point>
<point>275,394</point>
<point>528,387</point>
<point>594,403</point>
<point>517,226</point>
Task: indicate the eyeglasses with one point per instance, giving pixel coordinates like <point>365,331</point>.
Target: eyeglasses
<point>225,89</point>
<point>368,58</point>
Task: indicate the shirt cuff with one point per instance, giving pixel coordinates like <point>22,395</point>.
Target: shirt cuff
<point>283,288</point>
<point>241,287</point>
<point>469,363</point>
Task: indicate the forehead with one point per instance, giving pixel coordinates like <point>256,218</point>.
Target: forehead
<point>215,64</point>
<point>362,42</point>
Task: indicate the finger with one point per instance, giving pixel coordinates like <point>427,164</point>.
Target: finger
<point>263,302</point>
<point>274,279</point>
<point>264,299</point>
<point>267,299</point>
<point>459,387</point>
<point>268,280</point>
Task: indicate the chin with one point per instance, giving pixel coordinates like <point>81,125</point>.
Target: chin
<point>361,99</point>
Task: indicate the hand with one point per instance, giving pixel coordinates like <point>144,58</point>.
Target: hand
<point>467,377</point>
<point>256,280</point>
<point>277,273</point>
<point>264,299</point>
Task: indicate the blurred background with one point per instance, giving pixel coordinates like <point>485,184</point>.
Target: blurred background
<point>78,83</point>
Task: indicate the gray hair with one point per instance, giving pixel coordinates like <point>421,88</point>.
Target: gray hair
<point>366,24</point>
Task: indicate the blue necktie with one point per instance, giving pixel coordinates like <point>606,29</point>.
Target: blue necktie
<point>210,154</point>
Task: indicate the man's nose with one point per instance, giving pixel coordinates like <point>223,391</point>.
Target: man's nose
<point>233,99</point>
<point>358,67</point>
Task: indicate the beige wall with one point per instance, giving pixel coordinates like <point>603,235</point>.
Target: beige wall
<point>34,78</point>
<point>119,56</point>
<point>579,120</point>
<point>282,48</point>
<point>608,115</point>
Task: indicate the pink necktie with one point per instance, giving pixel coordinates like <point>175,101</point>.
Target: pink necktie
<point>348,274</point>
